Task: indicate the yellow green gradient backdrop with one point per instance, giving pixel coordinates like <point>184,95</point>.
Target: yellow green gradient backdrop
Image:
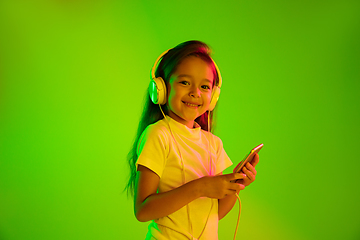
<point>73,78</point>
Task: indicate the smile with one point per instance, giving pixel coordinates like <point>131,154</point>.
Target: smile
<point>191,104</point>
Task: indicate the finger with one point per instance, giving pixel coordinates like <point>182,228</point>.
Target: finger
<point>234,176</point>
<point>239,181</point>
<point>240,186</point>
<point>251,168</point>
<point>255,160</point>
<point>237,187</point>
<point>249,174</point>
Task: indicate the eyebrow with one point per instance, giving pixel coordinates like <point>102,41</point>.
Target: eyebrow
<point>189,76</point>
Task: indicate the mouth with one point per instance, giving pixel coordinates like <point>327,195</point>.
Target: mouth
<point>192,105</point>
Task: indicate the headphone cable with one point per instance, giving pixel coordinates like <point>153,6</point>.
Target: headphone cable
<point>238,220</point>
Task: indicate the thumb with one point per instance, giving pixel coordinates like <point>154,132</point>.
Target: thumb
<point>234,176</point>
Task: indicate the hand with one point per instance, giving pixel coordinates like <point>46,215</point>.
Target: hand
<point>220,186</point>
<point>249,171</point>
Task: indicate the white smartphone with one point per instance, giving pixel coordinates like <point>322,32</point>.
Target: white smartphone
<point>248,158</point>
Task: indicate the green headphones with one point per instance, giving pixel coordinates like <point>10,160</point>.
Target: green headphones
<point>157,87</point>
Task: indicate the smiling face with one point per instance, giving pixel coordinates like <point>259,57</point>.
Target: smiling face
<point>189,90</point>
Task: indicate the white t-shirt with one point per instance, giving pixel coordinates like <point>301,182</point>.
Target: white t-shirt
<point>177,157</point>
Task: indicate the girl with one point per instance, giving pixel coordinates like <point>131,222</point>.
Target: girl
<point>176,162</point>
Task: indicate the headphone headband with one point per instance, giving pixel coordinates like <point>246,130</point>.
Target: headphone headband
<point>153,69</point>
<point>156,63</point>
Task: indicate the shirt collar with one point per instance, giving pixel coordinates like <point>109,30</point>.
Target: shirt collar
<point>179,127</point>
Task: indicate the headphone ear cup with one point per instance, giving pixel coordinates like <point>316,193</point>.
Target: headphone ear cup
<point>157,91</point>
<point>214,98</point>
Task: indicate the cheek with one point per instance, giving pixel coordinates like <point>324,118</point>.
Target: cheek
<point>174,94</point>
<point>172,100</point>
<point>208,99</point>
<point>170,94</point>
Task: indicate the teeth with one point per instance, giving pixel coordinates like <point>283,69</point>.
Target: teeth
<point>192,105</point>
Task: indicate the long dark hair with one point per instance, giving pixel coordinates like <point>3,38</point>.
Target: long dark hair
<point>152,113</point>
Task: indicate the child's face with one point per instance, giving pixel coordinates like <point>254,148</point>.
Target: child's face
<point>189,90</point>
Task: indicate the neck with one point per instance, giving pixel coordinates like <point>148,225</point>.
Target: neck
<point>189,124</point>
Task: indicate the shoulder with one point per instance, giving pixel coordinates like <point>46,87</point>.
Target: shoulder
<point>158,131</point>
<point>213,138</point>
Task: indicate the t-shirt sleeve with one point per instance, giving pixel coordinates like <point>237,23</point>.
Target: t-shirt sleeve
<point>222,161</point>
<point>152,149</point>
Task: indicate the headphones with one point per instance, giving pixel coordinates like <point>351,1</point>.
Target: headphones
<point>157,86</point>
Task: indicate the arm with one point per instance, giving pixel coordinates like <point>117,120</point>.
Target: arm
<point>227,203</point>
<point>150,205</point>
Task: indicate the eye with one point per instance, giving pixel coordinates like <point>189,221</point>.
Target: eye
<point>205,87</point>
<point>184,82</point>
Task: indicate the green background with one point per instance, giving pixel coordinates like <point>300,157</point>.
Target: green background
<point>73,78</point>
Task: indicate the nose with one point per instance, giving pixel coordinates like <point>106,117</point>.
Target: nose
<point>195,92</point>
